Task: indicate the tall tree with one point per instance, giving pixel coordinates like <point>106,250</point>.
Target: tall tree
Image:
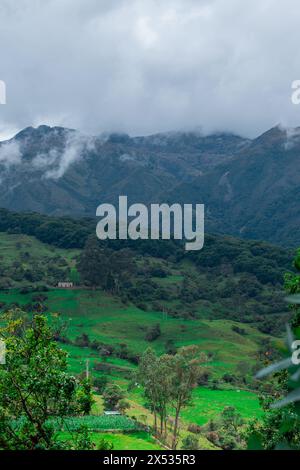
<point>168,382</point>
<point>148,375</point>
<point>185,369</point>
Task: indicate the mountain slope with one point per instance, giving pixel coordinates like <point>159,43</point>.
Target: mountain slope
<point>251,188</point>
<point>256,194</point>
<point>60,171</point>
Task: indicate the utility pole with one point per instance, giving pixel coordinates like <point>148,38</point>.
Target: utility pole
<point>87,369</point>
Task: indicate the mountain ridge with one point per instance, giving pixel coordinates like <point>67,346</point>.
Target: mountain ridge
<point>249,186</point>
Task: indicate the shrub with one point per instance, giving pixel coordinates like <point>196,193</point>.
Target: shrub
<point>195,428</point>
<point>190,443</point>
<point>153,333</point>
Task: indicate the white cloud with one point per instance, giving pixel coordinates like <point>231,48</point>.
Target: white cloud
<point>43,160</point>
<point>56,164</point>
<point>143,66</point>
<point>10,154</point>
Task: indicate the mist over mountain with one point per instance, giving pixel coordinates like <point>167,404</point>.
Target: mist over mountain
<point>250,188</point>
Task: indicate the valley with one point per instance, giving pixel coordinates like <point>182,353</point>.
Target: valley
<point>164,303</point>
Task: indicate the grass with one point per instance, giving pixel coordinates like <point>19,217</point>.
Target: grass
<point>106,319</point>
<point>13,245</point>
<point>140,440</point>
<point>207,404</point>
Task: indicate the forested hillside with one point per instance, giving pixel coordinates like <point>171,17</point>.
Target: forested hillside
<point>230,278</point>
<point>250,188</point>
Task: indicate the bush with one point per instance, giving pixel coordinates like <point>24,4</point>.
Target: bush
<point>195,428</point>
<point>190,443</point>
<point>100,383</point>
<point>153,333</point>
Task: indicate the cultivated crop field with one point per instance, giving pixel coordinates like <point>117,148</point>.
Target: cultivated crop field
<point>98,423</point>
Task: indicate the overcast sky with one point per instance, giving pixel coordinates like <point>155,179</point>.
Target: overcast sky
<point>145,66</point>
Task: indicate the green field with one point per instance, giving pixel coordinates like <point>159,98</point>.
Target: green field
<point>12,245</point>
<point>106,319</point>
<point>134,441</point>
<point>209,403</point>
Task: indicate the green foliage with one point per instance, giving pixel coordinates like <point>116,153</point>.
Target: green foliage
<point>226,431</point>
<point>153,333</point>
<point>229,279</point>
<point>95,423</point>
<point>34,384</point>
<point>84,397</point>
<point>280,428</point>
<point>112,396</point>
<point>168,382</point>
<point>190,442</point>
<point>100,383</point>
<point>99,266</point>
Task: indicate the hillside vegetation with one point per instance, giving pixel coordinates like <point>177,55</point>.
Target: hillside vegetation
<point>226,300</point>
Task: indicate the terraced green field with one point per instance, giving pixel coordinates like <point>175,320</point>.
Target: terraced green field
<point>106,319</point>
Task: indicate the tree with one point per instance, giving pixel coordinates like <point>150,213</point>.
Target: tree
<point>190,442</point>
<point>184,373</point>
<point>153,375</point>
<point>168,382</point>
<point>153,333</point>
<point>112,395</point>
<point>100,383</point>
<point>226,430</point>
<point>292,286</point>
<point>103,267</point>
<point>84,397</point>
<point>123,405</point>
<point>34,385</point>
<point>93,266</point>
<point>280,426</point>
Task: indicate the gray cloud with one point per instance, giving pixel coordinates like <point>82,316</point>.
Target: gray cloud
<point>143,66</point>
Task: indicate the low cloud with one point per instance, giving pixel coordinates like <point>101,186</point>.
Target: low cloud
<point>57,163</point>
<point>292,137</point>
<point>10,154</point>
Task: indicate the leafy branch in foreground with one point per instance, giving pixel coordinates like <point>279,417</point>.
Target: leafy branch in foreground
<point>35,386</point>
<point>287,363</point>
<point>280,428</point>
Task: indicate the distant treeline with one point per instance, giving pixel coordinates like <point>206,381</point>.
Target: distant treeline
<point>63,232</point>
<point>266,262</point>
